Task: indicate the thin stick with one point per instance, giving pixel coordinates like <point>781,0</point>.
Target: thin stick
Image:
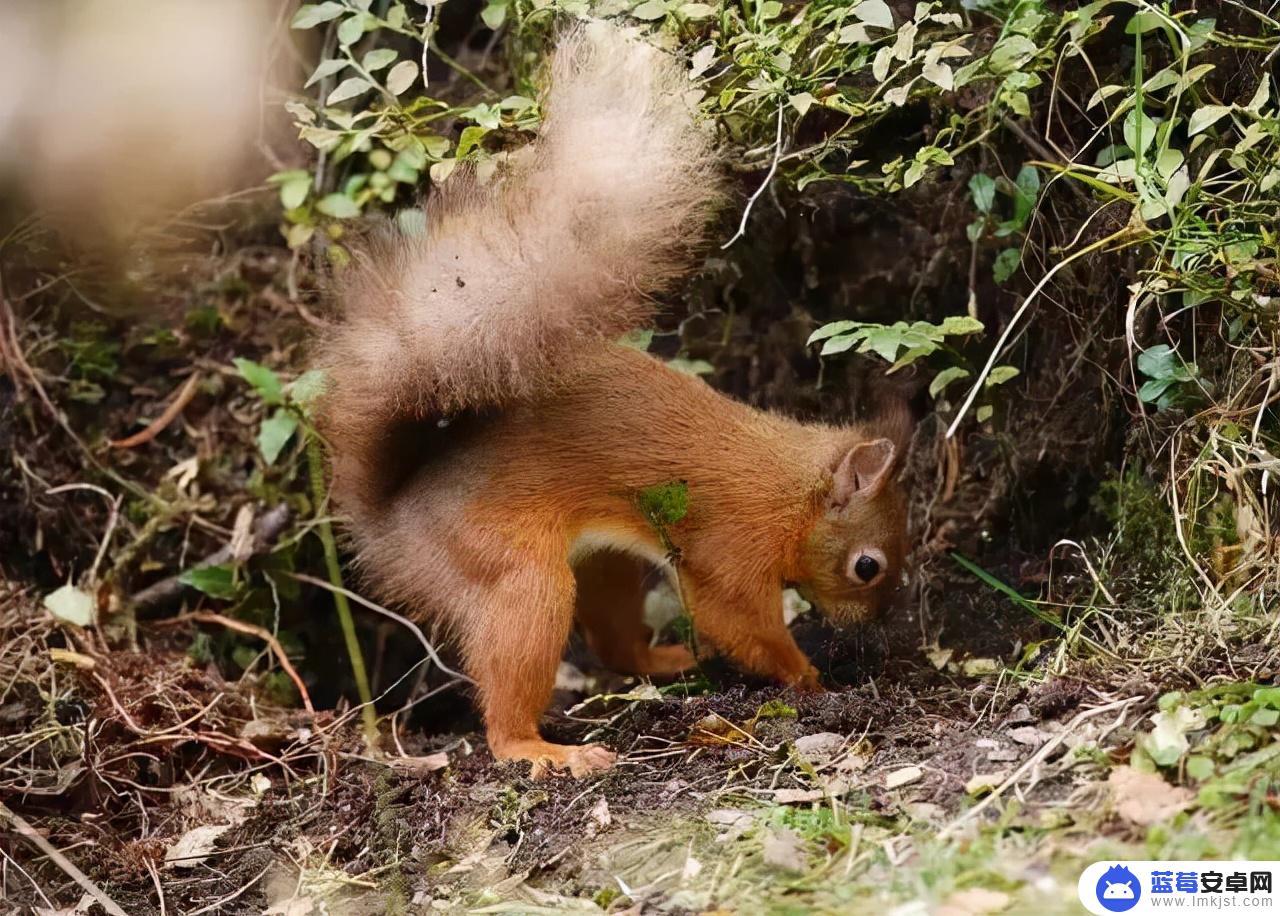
<point>751,202</point>
<point>112,519</point>
<point>27,832</point>
<point>1034,760</point>
<point>1124,233</point>
<point>398,618</point>
<point>265,635</point>
<point>158,425</point>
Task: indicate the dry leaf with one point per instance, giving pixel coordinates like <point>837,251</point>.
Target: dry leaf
<point>599,813</point>
<point>1145,798</point>
<point>69,657</point>
<point>420,765</point>
<point>242,534</point>
<point>194,846</point>
<point>820,748</point>
<point>974,901</point>
<point>1028,735</point>
<point>715,730</point>
<point>902,777</point>
<point>982,783</point>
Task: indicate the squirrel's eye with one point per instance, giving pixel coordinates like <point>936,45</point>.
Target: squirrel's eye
<point>866,568</point>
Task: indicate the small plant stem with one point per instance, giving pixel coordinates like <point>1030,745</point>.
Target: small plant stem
<point>315,465</point>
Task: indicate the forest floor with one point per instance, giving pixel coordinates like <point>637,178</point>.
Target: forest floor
<point>924,789</point>
<point>158,756</point>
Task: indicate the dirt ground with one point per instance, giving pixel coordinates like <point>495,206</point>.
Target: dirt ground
<point>156,776</point>
<point>968,757</point>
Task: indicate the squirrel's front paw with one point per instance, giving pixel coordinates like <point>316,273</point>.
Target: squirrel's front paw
<point>547,758</point>
<point>809,682</point>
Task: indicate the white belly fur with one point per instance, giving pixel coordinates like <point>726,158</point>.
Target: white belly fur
<point>592,539</point>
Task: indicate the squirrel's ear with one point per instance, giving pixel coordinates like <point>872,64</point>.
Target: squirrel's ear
<point>864,470</point>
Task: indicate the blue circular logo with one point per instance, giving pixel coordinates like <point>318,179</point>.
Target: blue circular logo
<point>1118,889</point>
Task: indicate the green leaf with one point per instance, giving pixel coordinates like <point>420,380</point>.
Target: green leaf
<point>838,344</point>
<point>1153,390</point>
<point>70,605</point>
<point>214,581</point>
<point>1010,53</point>
<point>1001,374</point>
<point>1160,361</point>
<point>1267,696</point>
<point>470,138</point>
<point>802,102</point>
<point>1200,768</point>
<point>1027,184</point>
<point>697,11</point>
<point>306,388</point>
<point>983,189</point>
<point>884,342</point>
<point>1265,717</point>
<point>378,58</point>
<point>348,89</point>
<point>310,15</point>
<point>638,339</point>
<point>402,172</point>
<point>275,433</point>
<point>339,206</point>
<point>650,10</point>
<point>1167,742</point>
<point>350,30</point>
<point>831,330</point>
<point>487,116</point>
<point>1005,264</point>
<point>494,14</point>
<point>955,325</point>
<point>326,68</point>
<point>298,235</point>
<point>264,381</point>
<point>1139,132</point>
<point>984,413</point>
<point>875,13</point>
<point>1205,117</point>
<point>691,366</point>
<point>401,77</point>
<point>293,193</point>
<point>945,378</point>
<point>287,175</point>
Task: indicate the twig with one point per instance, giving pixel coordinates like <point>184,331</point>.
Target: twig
<point>405,621</point>
<point>262,633</point>
<point>751,201</point>
<point>1128,234</point>
<point>112,519</point>
<point>158,425</point>
<point>27,832</point>
<point>267,529</point>
<point>155,879</point>
<point>221,901</point>
<point>1034,760</point>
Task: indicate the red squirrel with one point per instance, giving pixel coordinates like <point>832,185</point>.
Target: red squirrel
<point>489,436</point>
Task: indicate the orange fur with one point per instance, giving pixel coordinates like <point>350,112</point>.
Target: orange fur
<point>519,513</point>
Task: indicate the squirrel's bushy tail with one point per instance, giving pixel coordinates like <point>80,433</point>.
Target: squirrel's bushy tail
<point>511,278</point>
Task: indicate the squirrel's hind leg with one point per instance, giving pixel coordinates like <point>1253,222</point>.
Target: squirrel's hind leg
<point>610,608</point>
<point>522,623</point>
